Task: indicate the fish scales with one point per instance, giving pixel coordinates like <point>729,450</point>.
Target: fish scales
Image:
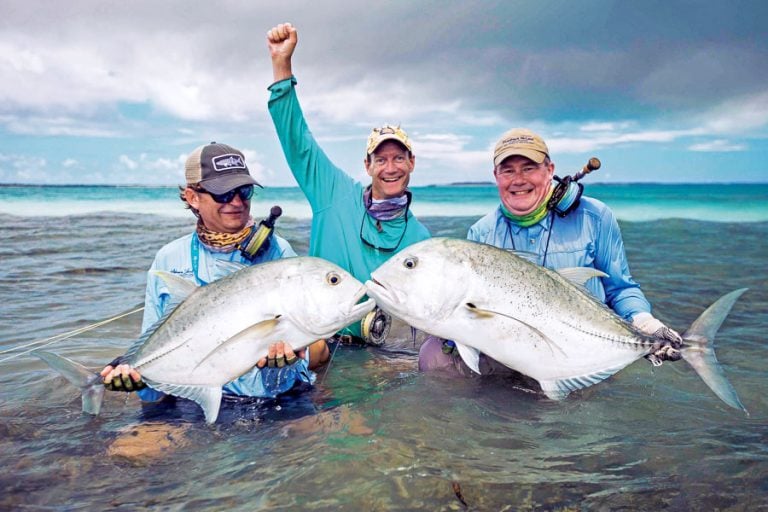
<point>220,331</point>
<point>529,318</point>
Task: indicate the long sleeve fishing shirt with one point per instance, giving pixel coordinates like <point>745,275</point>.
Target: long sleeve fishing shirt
<point>339,217</point>
<point>188,258</point>
<point>589,236</point>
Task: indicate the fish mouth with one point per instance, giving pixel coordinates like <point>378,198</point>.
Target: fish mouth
<point>360,309</point>
<point>354,313</point>
<point>385,298</point>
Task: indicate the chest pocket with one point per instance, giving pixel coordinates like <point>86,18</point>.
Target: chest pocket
<point>571,254</point>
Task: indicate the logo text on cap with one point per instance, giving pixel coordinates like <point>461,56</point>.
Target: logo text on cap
<point>228,162</point>
<point>520,139</point>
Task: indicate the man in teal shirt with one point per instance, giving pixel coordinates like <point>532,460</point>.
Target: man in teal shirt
<point>355,226</point>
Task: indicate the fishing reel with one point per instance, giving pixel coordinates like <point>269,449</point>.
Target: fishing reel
<point>258,241</point>
<point>375,326</point>
<point>565,198</point>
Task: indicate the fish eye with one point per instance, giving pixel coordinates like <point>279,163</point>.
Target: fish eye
<point>333,278</point>
<point>410,262</point>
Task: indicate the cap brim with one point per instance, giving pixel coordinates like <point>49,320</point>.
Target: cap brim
<point>222,184</point>
<point>536,156</point>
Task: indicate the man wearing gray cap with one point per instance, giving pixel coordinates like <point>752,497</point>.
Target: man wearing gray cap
<point>218,191</point>
<point>559,228</point>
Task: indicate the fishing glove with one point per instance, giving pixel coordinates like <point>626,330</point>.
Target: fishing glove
<point>652,326</point>
<point>124,383</point>
<point>282,374</point>
<point>449,348</point>
<point>648,324</point>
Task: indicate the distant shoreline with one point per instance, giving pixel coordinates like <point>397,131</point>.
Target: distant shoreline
<point>434,185</point>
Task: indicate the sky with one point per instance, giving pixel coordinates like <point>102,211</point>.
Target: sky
<point>115,92</point>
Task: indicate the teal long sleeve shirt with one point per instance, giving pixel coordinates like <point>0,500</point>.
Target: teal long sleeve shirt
<point>338,213</point>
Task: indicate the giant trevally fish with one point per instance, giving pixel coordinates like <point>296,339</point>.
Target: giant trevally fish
<point>220,331</point>
<point>529,318</point>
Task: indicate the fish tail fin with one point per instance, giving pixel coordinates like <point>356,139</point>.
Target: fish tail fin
<point>88,382</point>
<point>699,349</point>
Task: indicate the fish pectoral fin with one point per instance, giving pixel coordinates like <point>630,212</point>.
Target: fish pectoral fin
<point>580,275</point>
<point>258,330</point>
<point>471,357</point>
<point>207,397</point>
<point>558,389</point>
<point>487,313</point>
<point>178,287</point>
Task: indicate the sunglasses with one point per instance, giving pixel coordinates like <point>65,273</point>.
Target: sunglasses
<point>244,191</point>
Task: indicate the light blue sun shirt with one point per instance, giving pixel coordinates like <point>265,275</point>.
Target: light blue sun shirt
<point>589,236</point>
<point>188,258</point>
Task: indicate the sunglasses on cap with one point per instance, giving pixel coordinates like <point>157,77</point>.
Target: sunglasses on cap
<point>244,191</point>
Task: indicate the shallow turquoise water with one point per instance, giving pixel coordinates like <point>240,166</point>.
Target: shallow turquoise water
<point>635,202</point>
<point>375,434</point>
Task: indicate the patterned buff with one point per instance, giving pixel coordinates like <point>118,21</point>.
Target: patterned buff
<point>222,242</point>
<point>531,218</point>
<point>384,209</point>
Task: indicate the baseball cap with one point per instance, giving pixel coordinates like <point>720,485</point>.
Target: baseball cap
<point>387,132</point>
<point>217,168</point>
<point>520,141</point>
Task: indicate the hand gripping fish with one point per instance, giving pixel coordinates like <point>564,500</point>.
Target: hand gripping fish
<point>531,319</point>
<point>220,331</point>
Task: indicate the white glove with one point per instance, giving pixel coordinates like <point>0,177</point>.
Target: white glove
<point>652,326</point>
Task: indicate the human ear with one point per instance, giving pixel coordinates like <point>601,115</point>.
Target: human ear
<point>192,197</point>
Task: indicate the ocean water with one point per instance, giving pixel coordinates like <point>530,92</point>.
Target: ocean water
<point>630,202</point>
<point>374,433</point>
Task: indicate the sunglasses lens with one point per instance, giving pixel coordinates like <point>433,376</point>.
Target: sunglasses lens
<point>245,192</point>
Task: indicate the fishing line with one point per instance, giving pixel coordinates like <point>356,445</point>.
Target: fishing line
<point>63,336</point>
<point>330,360</point>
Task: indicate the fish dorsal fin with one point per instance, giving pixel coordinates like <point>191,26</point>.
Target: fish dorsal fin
<point>487,313</point>
<point>580,275</point>
<point>178,287</point>
<point>259,330</point>
<point>223,268</point>
<point>557,389</point>
<point>133,349</point>
<point>207,397</point>
<point>471,356</point>
<point>526,255</point>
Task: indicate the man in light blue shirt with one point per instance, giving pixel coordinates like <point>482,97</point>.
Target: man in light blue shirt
<point>558,228</point>
<point>218,191</point>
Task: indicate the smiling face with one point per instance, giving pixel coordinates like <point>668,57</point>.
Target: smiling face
<point>228,217</point>
<point>390,168</point>
<point>523,184</point>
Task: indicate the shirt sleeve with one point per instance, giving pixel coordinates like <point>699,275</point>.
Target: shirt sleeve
<point>316,175</point>
<point>271,382</point>
<point>622,293</point>
<point>155,299</point>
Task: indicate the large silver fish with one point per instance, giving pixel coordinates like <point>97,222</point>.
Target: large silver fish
<point>531,319</point>
<point>220,331</point>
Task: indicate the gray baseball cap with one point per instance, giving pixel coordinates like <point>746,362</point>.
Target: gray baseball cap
<point>217,168</point>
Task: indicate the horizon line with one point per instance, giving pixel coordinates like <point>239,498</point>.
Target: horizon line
<point>451,184</point>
